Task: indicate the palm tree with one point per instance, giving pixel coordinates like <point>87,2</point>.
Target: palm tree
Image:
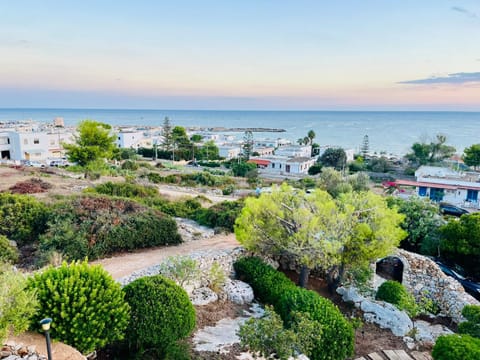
<point>311,135</point>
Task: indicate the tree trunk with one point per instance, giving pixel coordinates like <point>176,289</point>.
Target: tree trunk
<point>334,277</point>
<point>303,279</point>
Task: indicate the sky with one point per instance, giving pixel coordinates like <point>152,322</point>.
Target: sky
<point>241,55</point>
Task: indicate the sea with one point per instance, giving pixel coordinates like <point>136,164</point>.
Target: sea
<point>389,132</point>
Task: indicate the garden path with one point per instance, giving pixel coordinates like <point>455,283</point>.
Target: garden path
<point>122,265</point>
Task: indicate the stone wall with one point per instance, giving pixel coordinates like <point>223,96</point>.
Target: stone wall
<point>205,260</point>
<point>422,277</point>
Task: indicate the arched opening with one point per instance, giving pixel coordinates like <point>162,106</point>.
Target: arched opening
<point>390,268</point>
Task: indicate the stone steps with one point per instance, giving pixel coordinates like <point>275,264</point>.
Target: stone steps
<point>396,355</point>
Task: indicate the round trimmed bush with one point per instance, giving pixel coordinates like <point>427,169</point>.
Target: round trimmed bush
<point>87,306</point>
<point>161,314</point>
<point>456,347</point>
<point>337,340</point>
<point>395,293</point>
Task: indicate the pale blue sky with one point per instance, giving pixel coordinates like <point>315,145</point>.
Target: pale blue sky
<point>275,54</point>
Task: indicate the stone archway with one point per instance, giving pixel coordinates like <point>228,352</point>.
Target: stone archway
<point>390,268</point>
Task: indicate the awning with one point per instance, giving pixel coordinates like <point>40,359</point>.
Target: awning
<point>435,185</point>
<point>262,162</point>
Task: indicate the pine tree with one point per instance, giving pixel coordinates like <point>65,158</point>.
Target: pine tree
<point>167,134</point>
<point>247,146</point>
<point>365,146</point>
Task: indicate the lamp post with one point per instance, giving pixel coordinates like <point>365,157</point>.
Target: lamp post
<point>46,327</point>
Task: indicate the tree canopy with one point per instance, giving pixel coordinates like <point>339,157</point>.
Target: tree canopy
<point>471,156</point>
<point>424,153</point>
<point>94,141</point>
<point>460,242</point>
<point>334,157</point>
<point>318,230</point>
<point>422,223</point>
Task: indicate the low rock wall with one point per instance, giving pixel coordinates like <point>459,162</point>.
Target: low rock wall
<point>205,260</point>
<point>422,277</point>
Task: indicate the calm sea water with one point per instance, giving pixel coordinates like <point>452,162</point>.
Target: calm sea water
<point>393,132</point>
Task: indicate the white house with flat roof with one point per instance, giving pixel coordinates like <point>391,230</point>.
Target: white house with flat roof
<point>284,165</point>
<point>229,152</point>
<point>295,151</point>
<point>444,184</point>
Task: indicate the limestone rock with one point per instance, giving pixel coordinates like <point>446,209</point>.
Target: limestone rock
<point>203,296</point>
<point>350,294</point>
<point>238,292</point>
<point>387,316</point>
<point>428,333</point>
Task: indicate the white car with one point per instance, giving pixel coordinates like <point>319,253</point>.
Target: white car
<point>36,164</point>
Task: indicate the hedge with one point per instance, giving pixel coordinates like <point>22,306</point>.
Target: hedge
<point>456,347</point>
<point>273,287</point>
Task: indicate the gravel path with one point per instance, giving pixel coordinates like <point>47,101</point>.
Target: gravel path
<point>125,264</point>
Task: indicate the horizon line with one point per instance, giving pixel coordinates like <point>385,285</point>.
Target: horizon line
<point>229,110</point>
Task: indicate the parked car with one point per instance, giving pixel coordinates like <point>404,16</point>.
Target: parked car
<point>36,164</point>
<point>59,163</point>
<point>449,209</point>
<point>470,286</point>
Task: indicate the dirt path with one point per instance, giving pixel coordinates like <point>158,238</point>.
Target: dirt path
<point>125,264</point>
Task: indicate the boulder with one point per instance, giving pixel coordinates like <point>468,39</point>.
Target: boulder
<point>203,296</point>
<point>350,294</point>
<point>387,316</point>
<point>238,292</point>
<point>428,333</point>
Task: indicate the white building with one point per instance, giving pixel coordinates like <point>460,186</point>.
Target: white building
<point>130,139</point>
<point>443,184</point>
<point>294,151</point>
<point>284,165</point>
<point>275,143</point>
<point>5,146</point>
<point>229,152</point>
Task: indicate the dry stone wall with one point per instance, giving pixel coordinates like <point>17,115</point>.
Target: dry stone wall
<point>422,277</point>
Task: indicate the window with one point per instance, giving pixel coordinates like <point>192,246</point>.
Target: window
<point>25,141</point>
<point>472,195</point>
<point>422,191</point>
<point>273,165</point>
<point>4,141</point>
<point>36,141</point>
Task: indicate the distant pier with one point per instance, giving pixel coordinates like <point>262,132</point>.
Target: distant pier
<point>236,129</point>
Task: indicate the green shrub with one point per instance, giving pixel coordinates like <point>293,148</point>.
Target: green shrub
<point>221,215</point>
<point>273,287</point>
<point>126,190</point>
<point>87,306</point>
<point>17,303</point>
<point>22,217</point>
<point>267,335</point>
<point>395,293</point>
<point>183,270</point>
<point>8,253</point>
<point>267,283</point>
<point>94,226</point>
<point>130,165</point>
<point>472,325</point>
<point>162,314</point>
<point>336,341</point>
<point>216,277</point>
<point>456,347</point>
